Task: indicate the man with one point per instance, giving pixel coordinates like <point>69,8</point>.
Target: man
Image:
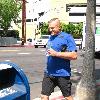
<point>61,48</point>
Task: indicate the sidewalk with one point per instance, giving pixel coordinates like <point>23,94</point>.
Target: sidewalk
<point>58,95</point>
<point>54,96</point>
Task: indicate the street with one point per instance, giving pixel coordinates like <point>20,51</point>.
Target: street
<point>32,61</point>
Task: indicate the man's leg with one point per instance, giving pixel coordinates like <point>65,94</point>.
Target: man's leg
<point>69,98</point>
<point>47,87</point>
<point>65,87</point>
<point>44,97</point>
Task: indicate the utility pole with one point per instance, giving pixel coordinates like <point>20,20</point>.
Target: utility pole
<point>86,88</point>
<point>23,21</point>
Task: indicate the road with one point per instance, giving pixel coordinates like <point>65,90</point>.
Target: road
<point>32,61</point>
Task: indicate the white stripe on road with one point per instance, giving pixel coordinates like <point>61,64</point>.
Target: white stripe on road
<point>42,50</point>
<point>75,71</point>
<point>9,50</point>
<point>23,53</point>
<point>7,60</point>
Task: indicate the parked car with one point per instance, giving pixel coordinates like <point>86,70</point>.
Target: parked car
<point>78,43</point>
<point>19,40</point>
<point>42,41</point>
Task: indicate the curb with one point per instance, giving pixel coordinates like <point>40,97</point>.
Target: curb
<point>19,45</point>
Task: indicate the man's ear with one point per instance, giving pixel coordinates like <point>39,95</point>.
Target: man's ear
<point>49,32</point>
<point>60,28</point>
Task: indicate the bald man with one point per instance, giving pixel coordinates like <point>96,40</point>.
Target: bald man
<point>61,48</point>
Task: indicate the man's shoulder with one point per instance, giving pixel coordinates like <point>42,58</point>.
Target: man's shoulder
<point>64,34</point>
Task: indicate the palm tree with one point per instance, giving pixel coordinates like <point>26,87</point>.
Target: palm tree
<point>86,89</point>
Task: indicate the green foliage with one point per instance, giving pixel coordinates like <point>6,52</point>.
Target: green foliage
<point>75,30</point>
<point>13,33</point>
<point>63,27</point>
<point>10,33</point>
<point>44,29</point>
<point>78,30</point>
<point>69,28</point>
<point>9,11</point>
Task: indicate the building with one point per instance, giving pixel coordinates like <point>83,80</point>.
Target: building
<point>73,11</point>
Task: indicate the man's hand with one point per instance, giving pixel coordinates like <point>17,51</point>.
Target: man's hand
<point>52,52</point>
<point>64,55</point>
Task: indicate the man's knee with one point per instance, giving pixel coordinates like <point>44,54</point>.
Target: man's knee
<point>44,97</point>
<point>69,98</point>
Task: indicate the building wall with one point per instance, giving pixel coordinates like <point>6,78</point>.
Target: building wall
<point>59,11</point>
<point>51,8</point>
<point>76,1</point>
<point>56,8</point>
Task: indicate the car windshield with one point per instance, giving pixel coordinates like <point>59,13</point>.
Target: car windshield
<point>44,37</point>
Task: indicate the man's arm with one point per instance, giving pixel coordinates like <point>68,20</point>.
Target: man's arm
<point>66,55</point>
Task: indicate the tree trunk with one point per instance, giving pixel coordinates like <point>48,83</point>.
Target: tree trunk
<point>86,89</point>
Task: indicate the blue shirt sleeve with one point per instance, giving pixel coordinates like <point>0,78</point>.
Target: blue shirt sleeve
<point>71,45</point>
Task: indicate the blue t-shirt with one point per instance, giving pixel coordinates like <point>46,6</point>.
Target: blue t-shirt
<point>59,66</point>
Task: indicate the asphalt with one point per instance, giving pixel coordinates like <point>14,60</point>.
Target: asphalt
<point>57,95</point>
